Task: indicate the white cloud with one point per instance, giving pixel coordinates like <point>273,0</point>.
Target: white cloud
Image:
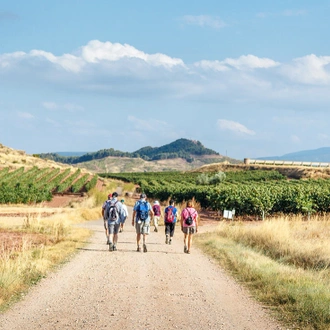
<point>245,62</point>
<point>49,105</point>
<point>120,70</point>
<point>25,115</point>
<point>309,69</point>
<point>233,126</point>
<point>96,51</point>
<point>204,21</point>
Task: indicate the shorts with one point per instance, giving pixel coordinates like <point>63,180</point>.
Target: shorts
<point>189,230</point>
<point>142,228</point>
<point>113,228</point>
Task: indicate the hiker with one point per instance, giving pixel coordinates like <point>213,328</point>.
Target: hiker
<point>126,215</point>
<point>189,225</point>
<point>170,221</point>
<point>141,220</point>
<point>115,215</point>
<point>104,218</point>
<point>157,214</point>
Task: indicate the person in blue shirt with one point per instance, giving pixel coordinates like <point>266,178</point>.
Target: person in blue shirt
<point>170,221</point>
<point>141,220</point>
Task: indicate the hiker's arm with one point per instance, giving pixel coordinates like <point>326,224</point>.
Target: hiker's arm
<point>133,217</point>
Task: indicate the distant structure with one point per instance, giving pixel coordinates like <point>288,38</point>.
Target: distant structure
<point>249,161</point>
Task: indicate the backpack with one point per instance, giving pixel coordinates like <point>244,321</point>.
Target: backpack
<point>142,211</point>
<point>169,214</point>
<point>189,220</point>
<point>112,212</point>
<point>156,209</point>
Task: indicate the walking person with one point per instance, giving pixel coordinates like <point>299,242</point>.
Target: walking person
<point>170,221</point>
<point>104,218</point>
<point>157,214</point>
<point>189,225</point>
<point>121,229</point>
<point>142,212</point>
<point>115,215</point>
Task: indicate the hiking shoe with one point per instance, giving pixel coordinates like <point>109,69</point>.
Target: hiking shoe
<point>188,252</point>
<point>138,249</point>
<point>170,241</point>
<point>114,248</point>
<point>145,248</point>
<point>185,249</point>
<point>108,242</point>
<point>110,246</point>
<point>166,240</point>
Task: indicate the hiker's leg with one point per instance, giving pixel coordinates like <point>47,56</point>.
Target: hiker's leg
<point>156,218</point>
<point>189,240</point>
<point>106,230</point>
<point>172,229</point>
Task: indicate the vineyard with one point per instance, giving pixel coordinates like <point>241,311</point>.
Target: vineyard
<point>37,185</point>
<point>248,192</point>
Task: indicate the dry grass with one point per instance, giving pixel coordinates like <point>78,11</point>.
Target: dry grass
<point>285,263</point>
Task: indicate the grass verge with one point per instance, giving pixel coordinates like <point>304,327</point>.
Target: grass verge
<point>297,295</point>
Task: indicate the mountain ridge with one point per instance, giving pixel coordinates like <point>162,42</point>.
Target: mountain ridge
<point>311,155</point>
<point>181,148</point>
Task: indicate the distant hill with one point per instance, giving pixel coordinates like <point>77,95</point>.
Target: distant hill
<point>315,155</point>
<point>182,148</point>
<point>182,154</point>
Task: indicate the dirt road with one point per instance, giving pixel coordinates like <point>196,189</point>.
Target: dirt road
<point>161,289</point>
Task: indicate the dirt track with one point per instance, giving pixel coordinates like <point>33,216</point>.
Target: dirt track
<point>161,289</point>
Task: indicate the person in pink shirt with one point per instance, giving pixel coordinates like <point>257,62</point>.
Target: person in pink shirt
<point>189,225</point>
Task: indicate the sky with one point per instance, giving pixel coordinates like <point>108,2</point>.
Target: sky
<point>247,79</point>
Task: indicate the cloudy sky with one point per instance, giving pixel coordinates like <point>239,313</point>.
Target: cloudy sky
<point>246,78</point>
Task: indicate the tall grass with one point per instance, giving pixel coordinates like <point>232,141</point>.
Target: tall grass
<point>284,262</point>
<point>44,244</point>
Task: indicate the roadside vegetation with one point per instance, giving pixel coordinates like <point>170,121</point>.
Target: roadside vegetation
<point>36,244</point>
<point>285,262</point>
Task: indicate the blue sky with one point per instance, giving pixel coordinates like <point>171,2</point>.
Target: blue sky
<point>246,78</point>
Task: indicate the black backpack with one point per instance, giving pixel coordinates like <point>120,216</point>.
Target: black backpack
<point>112,211</point>
<point>189,220</point>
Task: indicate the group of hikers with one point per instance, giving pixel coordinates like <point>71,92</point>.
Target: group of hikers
<point>115,214</point>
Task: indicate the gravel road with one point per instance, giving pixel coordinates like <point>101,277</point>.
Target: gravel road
<point>161,289</point>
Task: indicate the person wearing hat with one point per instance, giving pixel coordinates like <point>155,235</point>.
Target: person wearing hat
<point>104,218</point>
<point>142,212</point>
<point>157,214</point>
<point>121,229</point>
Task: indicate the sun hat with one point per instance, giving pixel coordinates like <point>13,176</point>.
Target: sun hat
<point>156,202</point>
<point>110,195</point>
<point>122,201</point>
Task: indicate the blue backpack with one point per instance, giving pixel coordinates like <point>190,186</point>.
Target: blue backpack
<point>142,211</point>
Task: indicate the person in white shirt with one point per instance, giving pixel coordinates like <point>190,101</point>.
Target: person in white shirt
<point>126,213</point>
